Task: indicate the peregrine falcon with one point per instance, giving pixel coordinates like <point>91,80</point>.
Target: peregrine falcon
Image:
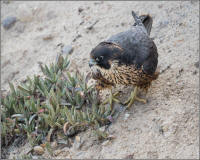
<point>127,58</point>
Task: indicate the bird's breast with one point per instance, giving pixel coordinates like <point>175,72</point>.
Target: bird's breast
<point>125,75</point>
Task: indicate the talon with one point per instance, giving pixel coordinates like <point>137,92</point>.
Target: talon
<point>141,100</point>
<point>112,98</point>
<point>133,97</point>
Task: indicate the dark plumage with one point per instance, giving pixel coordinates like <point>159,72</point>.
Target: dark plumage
<point>128,58</point>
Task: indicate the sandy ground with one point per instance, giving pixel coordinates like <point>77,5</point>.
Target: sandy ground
<point>165,127</point>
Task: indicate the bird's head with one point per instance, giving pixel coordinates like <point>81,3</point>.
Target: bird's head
<point>103,55</point>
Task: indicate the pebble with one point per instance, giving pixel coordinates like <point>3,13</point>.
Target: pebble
<point>106,143</point>
<point>80,153</point>
<point>126,116</point>
<point>78,139</point>
<point>38,150</point>
<point>68,49</point>
<point>34,157</point>
<point>102,129</point>
<point>48,37</point>
<point>122,24</point>
<point>78,143</point>
<point>57,152</point>
<point>111,137</point>
<point>80,9</point>
<point>9,22</point>
<point>54,144</point>
<point>110,118</point>
<point>81,22</point>
<point>43,145</point>
<point>163,129</point>
<point>168,83</point>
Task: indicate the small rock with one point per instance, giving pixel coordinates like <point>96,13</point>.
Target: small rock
<point>48,37</point>
<point>122,24</point>
<point>110,118</point>
<point>9,22</point>
<point>81,22</point>
<point>78,139</point>
<point>80,10</point>
<point>54,144</point>
<point>168,83</point>
<point>80,153</point>
<point>102,129</point>
<point>106,143</point>
<point>38,150</point>
<point>196,64</point>
<point>111,137</point>
<point>57,152</point>
<point>67,49</point>
<point>43,145</point>
<point>63,142</point>
<point>78,143</point>
<point>180,71</point>
<point>180,24</point>
<point>126,116</point>
<point>163,129</point>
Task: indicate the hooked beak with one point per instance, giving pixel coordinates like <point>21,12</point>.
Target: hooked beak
<point>92,62</point>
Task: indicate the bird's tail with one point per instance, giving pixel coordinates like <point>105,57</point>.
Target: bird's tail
<point>143,20</point>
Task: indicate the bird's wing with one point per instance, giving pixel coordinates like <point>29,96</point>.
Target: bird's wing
<point>139,49</point>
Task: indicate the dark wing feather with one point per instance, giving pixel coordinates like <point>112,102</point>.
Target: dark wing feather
<point>147,22</point>
<point>139,49</point>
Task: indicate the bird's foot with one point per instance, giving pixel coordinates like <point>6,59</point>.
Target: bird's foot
<point>112,98</point>
<point>133,97</point>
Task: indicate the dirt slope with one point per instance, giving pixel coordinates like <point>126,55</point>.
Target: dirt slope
<point>165,127</point>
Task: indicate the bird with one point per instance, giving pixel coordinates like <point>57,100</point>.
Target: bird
<point>128,58</point>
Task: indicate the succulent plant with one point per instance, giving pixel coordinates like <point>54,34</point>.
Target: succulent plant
<point>40,106</point>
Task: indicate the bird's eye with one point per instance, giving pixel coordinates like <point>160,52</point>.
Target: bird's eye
<point>101,57</point>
